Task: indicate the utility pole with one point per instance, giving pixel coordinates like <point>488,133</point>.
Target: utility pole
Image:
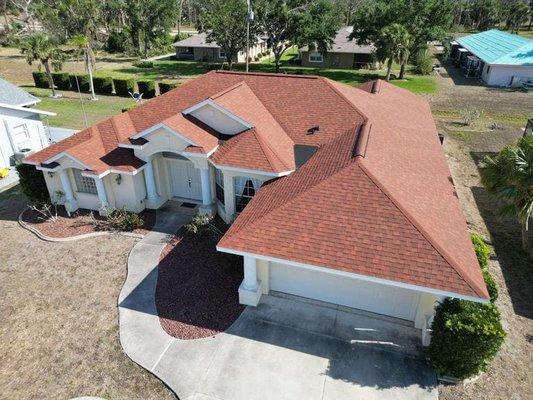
<point>249,18</point>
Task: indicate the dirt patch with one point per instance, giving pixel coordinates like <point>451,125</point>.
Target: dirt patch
<point>197,287</point>
<point>79,223</point>
<point>59,332</point>
<point>509,375</point>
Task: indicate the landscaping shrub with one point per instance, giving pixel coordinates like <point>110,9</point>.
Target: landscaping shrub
<point>147,88</point>
<point>144,64</point>
<point>123,220</point>
<point>32,184</point>
<point>482,250</point>
<point>40,79</point>
<point>492,287</point>
<point>123,86</point>
<point>61,80</point>
<point>82,80</point>
<point>103,84</point>
<point>465,337</point>
<point>471,115</point>
<point>166,86</point>
<point>423,63</point>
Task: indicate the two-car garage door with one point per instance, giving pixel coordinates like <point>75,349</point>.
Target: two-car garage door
<point>344,290</point>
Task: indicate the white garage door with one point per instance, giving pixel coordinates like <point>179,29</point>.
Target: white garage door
<point>343,290</point>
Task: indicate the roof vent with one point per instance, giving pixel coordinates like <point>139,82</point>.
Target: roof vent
<point>313,130</point>
<point>376,86</point>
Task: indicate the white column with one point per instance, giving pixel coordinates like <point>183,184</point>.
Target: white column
<point>65,182</point>
<point>250,274</point>
<point>229,196</point>
<point>151,191</point>
<point>100,189</point>
<point>206,187</point>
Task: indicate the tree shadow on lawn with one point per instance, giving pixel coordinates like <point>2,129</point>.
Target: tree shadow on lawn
<point>197,287</point>
<point>505,235</point>
<point>167,69</point>
<point>12,203</point>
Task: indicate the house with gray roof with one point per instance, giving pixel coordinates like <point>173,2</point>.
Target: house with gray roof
<point>198,48</point>
<point>21,130</point>
<point>344,53</point>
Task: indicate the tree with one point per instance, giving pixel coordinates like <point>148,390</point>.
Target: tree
<point>393,45</point>
<point>224,22</point>
<point>425,20</point>
<point>83,45</point>
<point>509,177</point>
<point>290,22</point>
<point>40,47</point>
<point>516,13</point>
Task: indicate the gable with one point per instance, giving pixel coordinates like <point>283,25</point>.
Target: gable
<point>218,118</point>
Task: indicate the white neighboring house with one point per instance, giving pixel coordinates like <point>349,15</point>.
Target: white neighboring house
<point>21,129</point>
<point>498,58</point>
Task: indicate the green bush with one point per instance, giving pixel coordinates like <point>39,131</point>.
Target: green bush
<point>492,288</point>
<point>117,42</point>
<point>33,184</point>
<point>61,80</point>
<point>123,220</point>
<point>166,86</point>
<point>423,63</point>
<point>103,84</point>
<point>123,86</point>
<point>144,64</point>
<point>465,337</point>
<point>82,80</point>
<point>482,250</point>
<point>40,79</point>
<point>147,88</point>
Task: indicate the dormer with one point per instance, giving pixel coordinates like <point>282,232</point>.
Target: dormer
<point>218,118</point>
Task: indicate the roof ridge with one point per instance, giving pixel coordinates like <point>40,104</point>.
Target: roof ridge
<point>226,90</point>
<point>268,74</point>
<point>338,92</point>
<point>419,228</point>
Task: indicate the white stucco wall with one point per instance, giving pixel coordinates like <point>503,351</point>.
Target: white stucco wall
<point>13,121</point>
<point>502,75</point>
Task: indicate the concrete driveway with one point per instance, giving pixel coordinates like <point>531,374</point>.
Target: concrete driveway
<point>286,348</point>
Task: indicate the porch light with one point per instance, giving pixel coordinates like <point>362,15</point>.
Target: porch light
<point>118,179</point>
<point>51,174</point>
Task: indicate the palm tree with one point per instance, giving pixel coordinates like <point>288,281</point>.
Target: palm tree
<point>40,47</point>
<point>509,177</point>
<point>393,45</point>
<point>83,44</point>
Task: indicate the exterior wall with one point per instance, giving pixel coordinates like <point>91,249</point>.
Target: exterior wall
<point>10,143</point>
<point>426,308</point>
<point>336,60</point>
<point>263,274</point>
<point>129,194</point>
<point>502,75</point>
<point>218,120</point>
<point>210,54</point>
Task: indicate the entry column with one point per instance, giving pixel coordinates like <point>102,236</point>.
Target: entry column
<point>250,288</point>
<point>70,202</point>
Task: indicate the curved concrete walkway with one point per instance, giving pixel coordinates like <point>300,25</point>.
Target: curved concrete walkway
<point>287,347</point>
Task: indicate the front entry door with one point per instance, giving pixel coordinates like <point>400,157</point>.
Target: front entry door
<point>185,180</point>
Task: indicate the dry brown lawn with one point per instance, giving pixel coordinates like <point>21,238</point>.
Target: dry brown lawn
<point>58,311</point>
<point>509,375</point>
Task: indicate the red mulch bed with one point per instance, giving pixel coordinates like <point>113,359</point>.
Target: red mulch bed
<point>197,287</point>
<point>79,223</point>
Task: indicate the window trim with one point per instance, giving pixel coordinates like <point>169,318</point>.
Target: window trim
<point>84,184</point>
<point>256,185</point>
<point>220,52</point>
<point>219,187</point>
<point>314,54</point>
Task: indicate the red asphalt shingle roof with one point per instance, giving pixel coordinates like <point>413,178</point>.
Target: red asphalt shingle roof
<point>384,208</point>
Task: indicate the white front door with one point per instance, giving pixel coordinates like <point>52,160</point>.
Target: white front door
<point>184,179</point>
<point>344,290</point>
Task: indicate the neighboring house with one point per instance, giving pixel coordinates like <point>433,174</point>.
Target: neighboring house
<point>196,47</point>
<point>21,129</point>
<point>337,193</point>
<point>344,53</point>
<point>498,58</point>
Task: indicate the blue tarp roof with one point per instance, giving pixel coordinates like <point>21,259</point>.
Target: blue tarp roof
<point>497,47</point>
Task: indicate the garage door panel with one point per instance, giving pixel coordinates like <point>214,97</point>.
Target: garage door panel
<point>343,290</point>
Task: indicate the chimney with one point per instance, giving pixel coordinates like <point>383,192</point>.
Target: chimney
<point>302,153</point>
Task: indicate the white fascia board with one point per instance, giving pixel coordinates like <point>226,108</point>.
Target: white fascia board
<point>28,110</point>
<point>40,168</point>
<point>251,171</point>
<point>211,103</point>
<point>131,146</point>
<point>366,278</point>
<point>64,154</point>
<point>100,176</point>
<point>165,127</point>
<point>29,103</point>
<point>24,161</point>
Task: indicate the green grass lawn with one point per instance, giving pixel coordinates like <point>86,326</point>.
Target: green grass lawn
<point>69,110</point>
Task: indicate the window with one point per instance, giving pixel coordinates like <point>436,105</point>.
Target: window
<point>221,53</point>
<point>84,184</point>
<point>21,136</point>
<point>245,189</point>
<point>315,56</point>
<point>219,186</point>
